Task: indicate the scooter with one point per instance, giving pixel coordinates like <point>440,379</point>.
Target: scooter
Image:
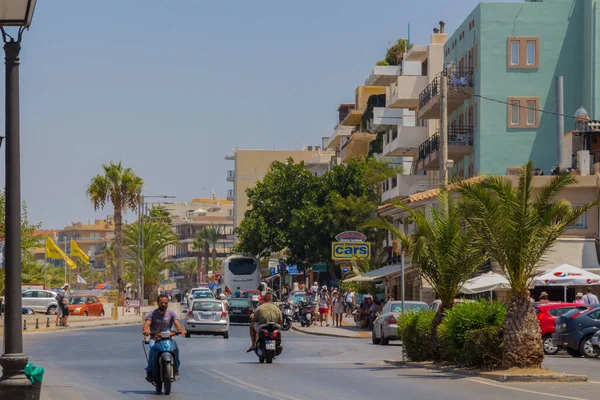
<point>306,314</point>
<point>268,344</point>
<point>288,316</point>
<point>163,366</point>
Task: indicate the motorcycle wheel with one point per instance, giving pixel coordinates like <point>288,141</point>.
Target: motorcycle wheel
<point>158,385</point>
<point>269,357</point>
<point>261,360</point>
<point>167,373</point>
<point>287,324</point>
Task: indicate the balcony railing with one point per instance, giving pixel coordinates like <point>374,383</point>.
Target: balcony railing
<point>457,78</point>
<point>230,174</point>
<point>229,192</point>
<point>457,136</point>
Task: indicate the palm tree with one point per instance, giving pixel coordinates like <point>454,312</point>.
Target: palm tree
<point>441,248</point>
<point>517,228</point>
<point>189,269</point>
<point>158,213</point>
<point>107,257</point>
<point>214,233</point>
<point>157,236</point>
<point>202,245</point>
<point>123,189</point>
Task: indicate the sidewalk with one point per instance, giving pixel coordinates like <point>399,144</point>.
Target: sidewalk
<point>348,330</point>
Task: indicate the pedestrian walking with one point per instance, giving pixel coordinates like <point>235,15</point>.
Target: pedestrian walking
<point>589,297</point>
<point>578,299</point>
<point>324,301</point>
<point>63,304</point>
<point>338,308</point>
<point>350,299</point>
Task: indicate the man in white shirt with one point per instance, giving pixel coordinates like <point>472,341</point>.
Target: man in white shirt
<point>589,298</point>
<point>350,302</point>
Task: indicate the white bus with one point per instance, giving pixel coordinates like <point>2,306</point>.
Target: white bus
<point>240,271</point>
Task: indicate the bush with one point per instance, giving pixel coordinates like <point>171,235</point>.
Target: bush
<point>468,317</point>
<point>414,328</point>
<point>382,63</point>
<point>483,347</point>
<point>444,352</point>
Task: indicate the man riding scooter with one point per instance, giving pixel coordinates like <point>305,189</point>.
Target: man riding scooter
<point>161,320</point>
<point>267,312</point>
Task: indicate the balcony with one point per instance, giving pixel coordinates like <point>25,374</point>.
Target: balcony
<point>339,133</point>
<point>357,146</point>
<point>404,93</point>
<point>230,194</point>
<point>406,185</point>
<point>361,97</point>
<point>460,88</point>
<point>460,144</point>
<point>230,157</point>
<point>383,118</point>
<point>383,75</point>
<point>230,175</point>
<point>404,141</point>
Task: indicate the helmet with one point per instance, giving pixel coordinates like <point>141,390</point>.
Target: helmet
<point>222,296</point>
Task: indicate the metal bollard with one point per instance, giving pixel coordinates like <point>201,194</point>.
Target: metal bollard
<point>37,323</point>
<point>24,325</point>
<point>48,322</point>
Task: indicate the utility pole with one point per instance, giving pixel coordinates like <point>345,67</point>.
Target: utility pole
<point>444,129</point>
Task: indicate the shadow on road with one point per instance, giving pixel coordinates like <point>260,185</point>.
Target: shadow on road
<point>145,392</point>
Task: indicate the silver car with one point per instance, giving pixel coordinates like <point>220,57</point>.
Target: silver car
<point>43,301</point>
<point>385,327</point>
<point>207,317</point>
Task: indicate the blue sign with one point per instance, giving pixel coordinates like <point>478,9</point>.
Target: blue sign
<point>293,270</point>
<point>345,270</point>
<point>272,271</point>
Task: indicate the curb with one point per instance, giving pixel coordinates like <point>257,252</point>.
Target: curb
<point>76,327</point>
<point>498,377</point>
<point>327,334</point>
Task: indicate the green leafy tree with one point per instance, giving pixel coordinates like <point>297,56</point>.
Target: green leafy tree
<point>202,245</point>
<point>157,236</point>
<point>123,188</point>
<point>517,228</point>
<point>441,248</point>
<point>107,257</point>
<point>395,53</point>
<point>158,213</point>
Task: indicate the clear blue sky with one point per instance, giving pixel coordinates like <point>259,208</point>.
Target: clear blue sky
<point>171,87</point>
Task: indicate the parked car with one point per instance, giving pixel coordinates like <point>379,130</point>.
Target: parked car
<point>547,314</point>
<point>43,301</point>
<point>437,304</point>
<point>574,330</point>
<point>385,327</point>
<point>85,304</point>
<point>207,317</point>
<point>240,310</point>
<point>24,310</point>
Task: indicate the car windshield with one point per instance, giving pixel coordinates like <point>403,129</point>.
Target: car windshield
<point>204,295</point>
<point>77,300</point>
<point>247,295</point>
<point>574,311</point>
<point>397,307</point>
<point>207,306</point>
<point>238,303</point>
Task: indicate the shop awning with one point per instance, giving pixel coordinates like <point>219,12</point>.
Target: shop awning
<point>578,252</point>
<point>566,275</point>
<point>377,274</point>
<point>485,283</point>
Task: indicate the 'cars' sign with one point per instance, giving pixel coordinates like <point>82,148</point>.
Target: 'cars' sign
<point>350,250</point>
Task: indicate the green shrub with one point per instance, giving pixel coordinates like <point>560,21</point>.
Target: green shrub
<point>414,329</point>
<point>444,352</point>
<point>483,347</point>
<point>467,317</point>
<point>382,62</point>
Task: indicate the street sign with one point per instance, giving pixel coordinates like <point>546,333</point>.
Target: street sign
<point>131,303</point>
<point>293,270</point>
<point>345,270</point>
<point>319,267</point>
<point>351,236</point>
<point>350,250</point>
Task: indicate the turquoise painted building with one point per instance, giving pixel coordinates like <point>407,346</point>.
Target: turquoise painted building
<point>513,51</point>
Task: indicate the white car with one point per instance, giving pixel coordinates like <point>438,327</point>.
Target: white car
<point>385,327</point>
<point>43,301</point>
<point>190,295</point>
<point>207,317</point>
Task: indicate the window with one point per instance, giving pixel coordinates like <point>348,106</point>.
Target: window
<point>394,182</point>
<point>523,52</point>
<point>28,294</point>
<point>514,52</point>
<point>242,266</point>
<point>594,314</point>
<point>514,113</point>
<point>531,52</point>
<point>522,112</point>
<point>531,113</point>
<point>556,312</point>
<point>579,223</point>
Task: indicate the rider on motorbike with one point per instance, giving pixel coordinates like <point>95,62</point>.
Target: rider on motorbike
<point>160,320</point>
<point>265,313</point>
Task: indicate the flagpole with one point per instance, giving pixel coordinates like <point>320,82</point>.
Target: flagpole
<point>65,243</point>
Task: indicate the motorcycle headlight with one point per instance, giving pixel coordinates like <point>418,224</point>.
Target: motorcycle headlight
<point>308,315</point>
<point>78,309</point>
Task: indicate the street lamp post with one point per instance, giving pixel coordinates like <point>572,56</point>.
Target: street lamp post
<point>13,383</point>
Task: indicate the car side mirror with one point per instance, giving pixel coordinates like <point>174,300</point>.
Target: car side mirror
<point>184,311</point>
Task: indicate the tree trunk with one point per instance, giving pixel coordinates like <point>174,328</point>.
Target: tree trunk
<point>119,252</point>
<point>151,292</point>
<point>199,273</point>
<point>206,258</point>
<point>435,346</point>
<point>214,259</point>
<point>522,339</point>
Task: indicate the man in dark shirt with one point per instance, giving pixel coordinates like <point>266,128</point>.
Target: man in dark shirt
<point>161,320</point>
<point>267,312</point>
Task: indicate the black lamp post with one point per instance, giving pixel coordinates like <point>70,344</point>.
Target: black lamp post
<point>13,383</point>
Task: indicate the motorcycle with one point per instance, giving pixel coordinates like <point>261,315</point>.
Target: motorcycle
<point>307,314</point>
<point>268,345</point>
<point>163,366</point>
<point>288,316</point>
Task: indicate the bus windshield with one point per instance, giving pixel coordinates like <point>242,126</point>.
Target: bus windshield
<point>242,266</point>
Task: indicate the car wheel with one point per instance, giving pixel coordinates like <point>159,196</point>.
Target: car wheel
<point>102,313</point>
<point>549,347</point>
<point>374,338</point>
<point>384,341</point>
<point>586,348</point>
<point>573,352</point>
<point>226,335</point>
<point>51,310</point>
<point>85,313</point>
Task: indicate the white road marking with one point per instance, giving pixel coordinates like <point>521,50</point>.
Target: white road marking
<point>524,390</point>
<point>246,385</point>
<point>596,382</point>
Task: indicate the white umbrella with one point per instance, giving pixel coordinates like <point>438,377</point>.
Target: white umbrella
<point>200,211</point>
<point>566,275</point>
<point>485,283</point>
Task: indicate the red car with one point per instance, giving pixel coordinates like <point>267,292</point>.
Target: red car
<point>547,314</point>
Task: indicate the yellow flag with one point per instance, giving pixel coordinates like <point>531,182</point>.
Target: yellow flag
<point>77,252</point>
<point>53,251</point>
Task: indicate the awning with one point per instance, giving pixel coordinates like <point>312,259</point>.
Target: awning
<point>566,275</point>
<point>377,274</point>
<point>578,252</point>
<point>485,283</point>
<point>200,211</point>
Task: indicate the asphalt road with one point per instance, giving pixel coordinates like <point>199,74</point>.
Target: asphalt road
<point>109,363</point>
